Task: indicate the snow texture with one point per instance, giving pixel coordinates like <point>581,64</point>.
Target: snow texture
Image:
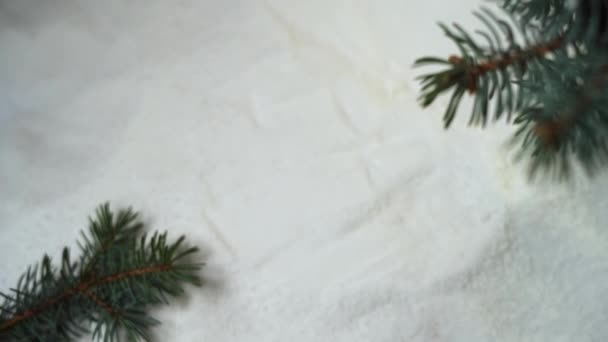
<point>285,138</point>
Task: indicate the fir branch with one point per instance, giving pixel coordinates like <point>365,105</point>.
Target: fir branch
<point>489,70</point>
<point>119,274</point>
<point>106,235</point>
<point>545,12</point>
<point>82,288</point>
<point>590,24</point>
<point>556,81</point>
<point>568,123</point>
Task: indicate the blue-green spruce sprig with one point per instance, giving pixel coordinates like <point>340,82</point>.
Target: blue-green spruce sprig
<point>489,71</point>
<point>568,122</point>
<point>106,292</point>
<point>551,78</point>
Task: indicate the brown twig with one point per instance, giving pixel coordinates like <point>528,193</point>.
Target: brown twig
<point>475,71</point>
<point>100,302</point>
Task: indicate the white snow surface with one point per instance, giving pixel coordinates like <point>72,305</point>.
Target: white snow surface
<point>284,137</point>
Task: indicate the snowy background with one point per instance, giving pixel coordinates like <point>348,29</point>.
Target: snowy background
<point>284,137</point>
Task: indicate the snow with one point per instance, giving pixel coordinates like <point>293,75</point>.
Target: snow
<point>285,138</point>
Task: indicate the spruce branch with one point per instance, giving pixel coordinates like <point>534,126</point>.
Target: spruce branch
<point>545,12</point>
<point>568,123</point>
<point>486,70</point>
<point>555,82</point>
<point>119,274</point>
